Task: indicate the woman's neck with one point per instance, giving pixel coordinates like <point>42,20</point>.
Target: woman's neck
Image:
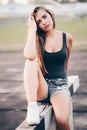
<point>51,33</point>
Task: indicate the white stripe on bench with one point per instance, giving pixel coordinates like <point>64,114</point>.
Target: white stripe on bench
<point>46,113</point>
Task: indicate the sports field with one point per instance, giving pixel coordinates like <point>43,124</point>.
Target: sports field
<point>13,36</point>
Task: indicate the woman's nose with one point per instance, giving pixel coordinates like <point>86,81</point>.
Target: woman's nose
<point>44,22</point>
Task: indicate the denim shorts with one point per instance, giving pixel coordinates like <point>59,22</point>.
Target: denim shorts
<point>56,86</point>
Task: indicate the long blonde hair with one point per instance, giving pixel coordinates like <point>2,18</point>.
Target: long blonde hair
<point>41,36</point>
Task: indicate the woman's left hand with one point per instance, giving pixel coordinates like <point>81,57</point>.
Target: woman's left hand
<point>31,23</point>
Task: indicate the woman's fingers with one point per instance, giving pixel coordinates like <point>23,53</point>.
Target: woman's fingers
<point>32,18</point>
<point>32,23</point>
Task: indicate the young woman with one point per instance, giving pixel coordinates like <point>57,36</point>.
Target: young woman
<point>47,52</point>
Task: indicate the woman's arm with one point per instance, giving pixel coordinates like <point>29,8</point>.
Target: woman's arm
<point>69,46</point>
<point>30,47</point>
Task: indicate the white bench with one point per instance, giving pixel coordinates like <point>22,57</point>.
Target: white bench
<point>46,112</point>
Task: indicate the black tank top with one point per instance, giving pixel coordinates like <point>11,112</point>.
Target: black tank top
<point>55,61</point>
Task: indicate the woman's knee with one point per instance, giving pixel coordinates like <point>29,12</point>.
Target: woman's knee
<point>62,123</point>
<point>30,64</point>
<point>30,67</point>
<point>61,120</point>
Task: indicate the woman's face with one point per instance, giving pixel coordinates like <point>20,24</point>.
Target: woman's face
<point>44,20</point>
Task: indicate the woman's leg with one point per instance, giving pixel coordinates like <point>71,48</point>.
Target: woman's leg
<point>34,82</point>
<point>35,88</point>
<point>61,106</point>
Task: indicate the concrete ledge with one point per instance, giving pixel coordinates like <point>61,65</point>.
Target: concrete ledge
<point>73,83</point>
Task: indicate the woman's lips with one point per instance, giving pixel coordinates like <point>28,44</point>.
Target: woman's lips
<point>47,26</point>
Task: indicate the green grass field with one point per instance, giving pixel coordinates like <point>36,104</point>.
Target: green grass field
<point>77,27</point>
<point>15,34</point>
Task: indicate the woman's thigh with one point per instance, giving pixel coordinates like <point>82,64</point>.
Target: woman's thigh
<point>61,103</point>
<point>42,86</point>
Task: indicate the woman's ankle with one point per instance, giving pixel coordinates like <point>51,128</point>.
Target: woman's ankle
<point>32,113</point>
<point>32,103</point>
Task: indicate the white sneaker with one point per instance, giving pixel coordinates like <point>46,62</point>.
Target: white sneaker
<point>33,114</point>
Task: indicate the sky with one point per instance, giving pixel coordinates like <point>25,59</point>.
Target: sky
<point>18,1</point>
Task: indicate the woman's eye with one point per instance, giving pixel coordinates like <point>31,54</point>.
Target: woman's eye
<point>44,16</point>
<point>39,21</point>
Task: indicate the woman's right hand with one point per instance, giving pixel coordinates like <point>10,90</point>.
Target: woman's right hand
<point>31,23</point>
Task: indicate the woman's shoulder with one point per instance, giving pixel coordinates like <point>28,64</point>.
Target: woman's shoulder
<point>68,38</point>
<point>68,35</point>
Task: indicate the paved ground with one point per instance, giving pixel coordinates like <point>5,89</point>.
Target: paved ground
<point>12,97</point>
